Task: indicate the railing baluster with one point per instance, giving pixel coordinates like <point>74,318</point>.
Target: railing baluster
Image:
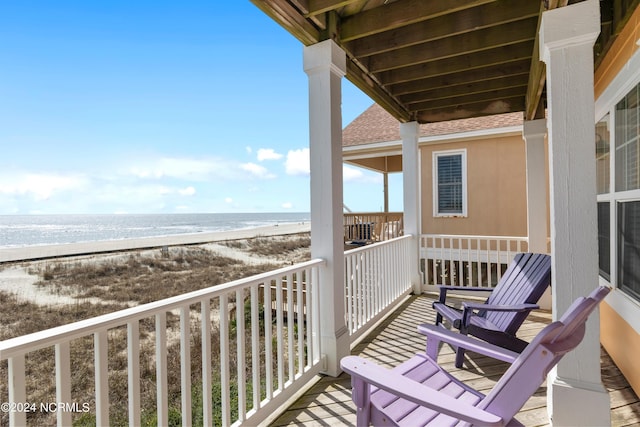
<point>290,329</point>
<point>479,263</point>
<point>268,334</point>
<point>469,264</point>
<point>377,264</point>
<point>300,321</point>
<point>255,347</point>
<point>17,389</point>
<point>366,282</point>
<point>241,375</point>
<point>205,327</point>
<point>225,381</point>
<point>63,381</point>
<point>133,371</point>
<point>316,313</point>
<point>308,317</point>
<point>101,350</point>
<point>162,388</point>
<point>185,364</point>
<point>279,333</point>
<point>348,262</point>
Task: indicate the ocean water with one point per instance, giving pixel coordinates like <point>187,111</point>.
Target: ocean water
<point>28,230</point>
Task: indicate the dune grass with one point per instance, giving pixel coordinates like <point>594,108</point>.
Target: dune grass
<point>114,283</point>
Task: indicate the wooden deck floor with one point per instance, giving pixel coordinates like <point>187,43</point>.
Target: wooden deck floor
<point>328,402</point>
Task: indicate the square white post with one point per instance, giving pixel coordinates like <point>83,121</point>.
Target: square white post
<point>575,392</point>
<point>533,133</point>
<point>325,65</point>
<point>411,196</point>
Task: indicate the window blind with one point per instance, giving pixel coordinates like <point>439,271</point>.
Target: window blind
<point>629,247</point>
<point>450,184</point>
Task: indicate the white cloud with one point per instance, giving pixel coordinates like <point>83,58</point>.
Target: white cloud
<point>287,205</point>
<point>257,170</point>
<point>297,162</point>
<point>181,168</point>
<point>268,154</point>
<point>188,191</point>
<point>41,186</point>
<point>228,200</point>
<point>350,174</point>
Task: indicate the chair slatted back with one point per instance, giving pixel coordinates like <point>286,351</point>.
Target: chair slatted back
<point>525,281</point>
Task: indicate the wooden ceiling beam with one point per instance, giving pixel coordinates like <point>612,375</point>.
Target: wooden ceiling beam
<point>464,21</point>
<point>376,92</point>
<point>502,55</point>
<point>398,14</point>
<point>519,81</point>
<point>489,38</point>
<point>497,71</point>
<point>494,95</point>
<point>537,77</point>
<point>290,19</point>
<point>316,7</point>
<point>488,108</point>
<point>537,73</point>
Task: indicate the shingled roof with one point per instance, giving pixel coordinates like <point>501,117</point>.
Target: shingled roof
<point>377,125</point>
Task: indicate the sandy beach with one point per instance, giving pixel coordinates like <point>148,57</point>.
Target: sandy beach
<point>19,266</point>
<point>71,249</point>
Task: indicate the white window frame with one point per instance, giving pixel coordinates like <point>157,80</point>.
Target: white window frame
<point>435,156</point>
<point>625,81</point>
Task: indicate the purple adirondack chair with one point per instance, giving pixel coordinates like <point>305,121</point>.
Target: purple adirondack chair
<point>420,392</point>
<point>498,319</point>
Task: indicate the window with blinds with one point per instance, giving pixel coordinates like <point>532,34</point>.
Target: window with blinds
<point>602,155</point>
<point>629,247</point>
<point>626,196</point>
<point>604,240</point>
<point>627,138</point>
<point>450,183</point>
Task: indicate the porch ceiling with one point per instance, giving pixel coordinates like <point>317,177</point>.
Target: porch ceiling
<point>428,60</point>
<point>432,61</point>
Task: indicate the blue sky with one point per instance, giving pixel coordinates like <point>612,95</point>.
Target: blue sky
<point>158,107</point>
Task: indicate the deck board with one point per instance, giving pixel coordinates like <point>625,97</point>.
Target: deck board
<point>395,339</point>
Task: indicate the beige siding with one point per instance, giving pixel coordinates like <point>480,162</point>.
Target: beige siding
<point>622,343</point>
<point>496,188</point>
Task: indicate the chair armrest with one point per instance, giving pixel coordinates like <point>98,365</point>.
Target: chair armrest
<point>470,307</point>
<point>445,288</point>
<point>488,307</point>
<point>436,334</point>
<point>368,373</point>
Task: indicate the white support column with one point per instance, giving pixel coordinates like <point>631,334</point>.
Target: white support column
<point>411,195</point>
<point>385,180</point>
<point>575,392</point>
<point>533,133</point>
<point>325,65</point>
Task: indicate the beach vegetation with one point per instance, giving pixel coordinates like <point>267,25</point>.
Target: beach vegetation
<point>106,284</point>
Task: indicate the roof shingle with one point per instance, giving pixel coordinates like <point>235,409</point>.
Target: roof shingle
<point>377,125</point>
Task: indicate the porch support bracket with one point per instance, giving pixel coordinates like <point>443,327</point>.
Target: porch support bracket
<point>576,395</point>
<point>325,65</point>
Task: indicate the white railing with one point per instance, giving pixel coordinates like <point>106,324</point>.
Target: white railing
<point>477,261</point>
<point>372,227</point>
<point>257,338</point>
<point>376,276</point>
